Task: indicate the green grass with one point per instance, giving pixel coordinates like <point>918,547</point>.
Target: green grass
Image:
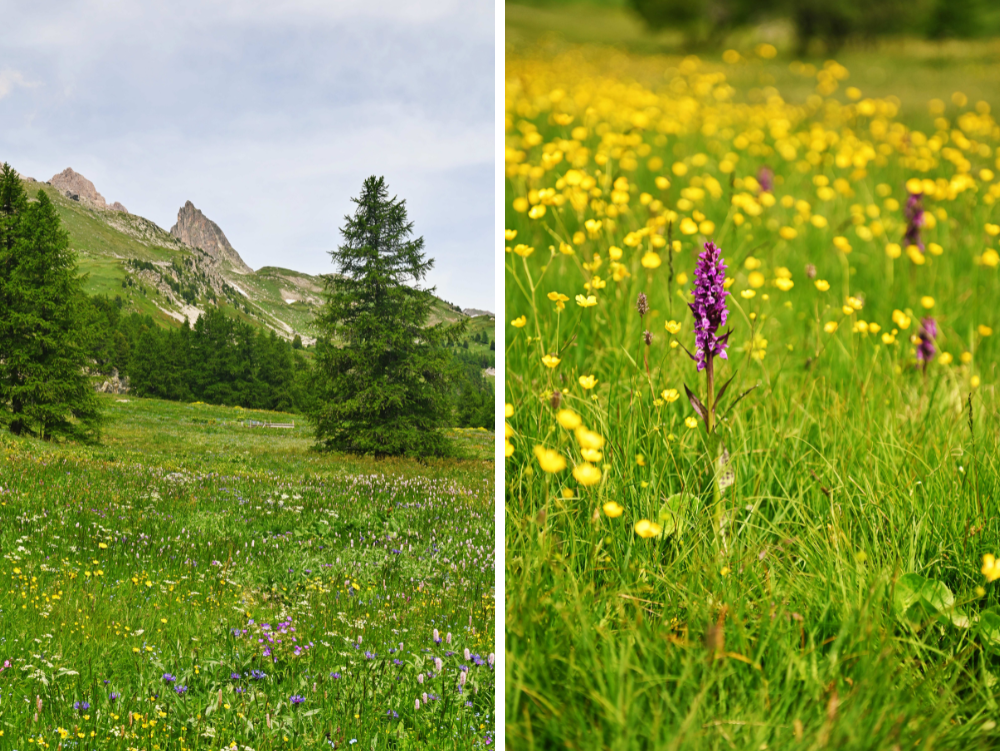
<point>170,545</point>
<point>801,621</point>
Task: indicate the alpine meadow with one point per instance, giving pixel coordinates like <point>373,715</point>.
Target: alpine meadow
<point>247,541</point>
<point>751,411</point>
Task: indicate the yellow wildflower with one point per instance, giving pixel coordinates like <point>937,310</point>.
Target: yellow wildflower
<point>646,529</point>
<point>613,510</point>
<point>587,474</point>
<point>519,322</point>
<point>587,382</point>
<point>568,419</point>
<point>549,460</point>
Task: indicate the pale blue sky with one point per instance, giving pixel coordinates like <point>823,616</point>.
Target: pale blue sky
<point>267,115</point>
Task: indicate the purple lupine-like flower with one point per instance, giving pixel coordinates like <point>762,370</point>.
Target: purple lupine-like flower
<point>709,306</point>
<point>925,348</point>
<point>914,213</point>
<point>765,178</point>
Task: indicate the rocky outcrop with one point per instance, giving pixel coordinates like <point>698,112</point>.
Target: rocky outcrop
<point>113,385</point>
<point>76,186</point>
<point>198,231</point>
<point>118,207</point>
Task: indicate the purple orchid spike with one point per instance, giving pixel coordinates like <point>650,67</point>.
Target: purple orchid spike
<point>914,213</point>
<point>926,349</point>
<point>709,306</point>
<point>765,178</point>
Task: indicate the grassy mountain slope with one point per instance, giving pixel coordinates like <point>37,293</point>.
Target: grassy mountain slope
<point>156,274</point>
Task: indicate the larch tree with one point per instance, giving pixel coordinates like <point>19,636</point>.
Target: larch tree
<point>44,387</point>
<point>380,385</point>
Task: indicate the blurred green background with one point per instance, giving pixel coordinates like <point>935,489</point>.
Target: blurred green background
<point>814,27</point>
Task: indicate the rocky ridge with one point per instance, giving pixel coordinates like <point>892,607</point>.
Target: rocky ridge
<point>196,230</point>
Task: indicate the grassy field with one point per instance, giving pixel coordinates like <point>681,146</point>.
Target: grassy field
<point>195,583</point>
<point>810,573</point>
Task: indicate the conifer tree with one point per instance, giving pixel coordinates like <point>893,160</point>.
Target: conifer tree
<point>380,385</point>
<point>44,389</point>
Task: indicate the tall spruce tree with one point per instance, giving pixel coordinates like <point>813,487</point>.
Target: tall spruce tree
<point>381,384</point>
<point>44,389</point>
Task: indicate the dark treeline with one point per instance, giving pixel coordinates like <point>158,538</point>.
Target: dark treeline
<point>223,360</point>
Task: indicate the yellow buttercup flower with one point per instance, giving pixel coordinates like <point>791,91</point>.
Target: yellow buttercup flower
<point>756,279</point>
<point>670,395</point>
<point>549,460</point>
<point>748,293</point>
<point>822,285</point>
<point>523,250</point>
<point>991,567</point>
<point>586,302</point>
<point>784,284</point>
<point>588,439</point>
<point>557,297</point>
<point>587,382</point>
<point>984,330</point>
<point>788,233</point>
<point>587,474</point>
<point>591,455</point>
<point>901,319</point>
<point>945,358</point>
<point>519,322</point>
<point>646,529</point>
<point>927,302</point>
<point>830,327</point>
<point>508,448</point>
<point>651,260</point>
<point>568,419</point>
<point>566,249</point>
<point>509,234</point>
<point>640,460</point>
<point>893,250</point>
<point>672,327</point>
<point>508,410</point>
<point>550,361</point>
<point>691,422</point>
<point>612,510</point>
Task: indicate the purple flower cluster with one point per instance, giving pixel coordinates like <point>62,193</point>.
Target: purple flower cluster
<point>928,332</point>
<point>765,178</point>
<point>709,306</point>
<point>914,213</point>
<point>297,699</point>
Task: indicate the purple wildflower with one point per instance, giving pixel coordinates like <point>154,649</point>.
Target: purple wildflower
<point>297,699</point>
<point>168,678</point>
<point>181,690</point>
<point>258,675</point>
<point>335,676</point>
<point>81,706</point>
<point>709,306</point>
<point>914,213</point>
<point>925,348</point>
<point>113,696</point>
<point>234,676</point>
<point>765,178</point>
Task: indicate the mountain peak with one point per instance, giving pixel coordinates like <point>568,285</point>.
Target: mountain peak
<point>196,230</point>
<point>76,186</point>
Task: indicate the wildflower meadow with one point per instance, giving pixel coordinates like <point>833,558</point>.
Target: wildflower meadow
<point>752,422</point>
<point>195,583</point>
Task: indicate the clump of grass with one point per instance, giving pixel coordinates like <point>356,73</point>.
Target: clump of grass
<point>789,552</point>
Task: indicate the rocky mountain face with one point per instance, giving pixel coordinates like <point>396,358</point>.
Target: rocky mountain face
<point>196,230</point>
<point>76,186</point>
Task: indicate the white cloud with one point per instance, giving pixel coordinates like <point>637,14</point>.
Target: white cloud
<point>11,78</point>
